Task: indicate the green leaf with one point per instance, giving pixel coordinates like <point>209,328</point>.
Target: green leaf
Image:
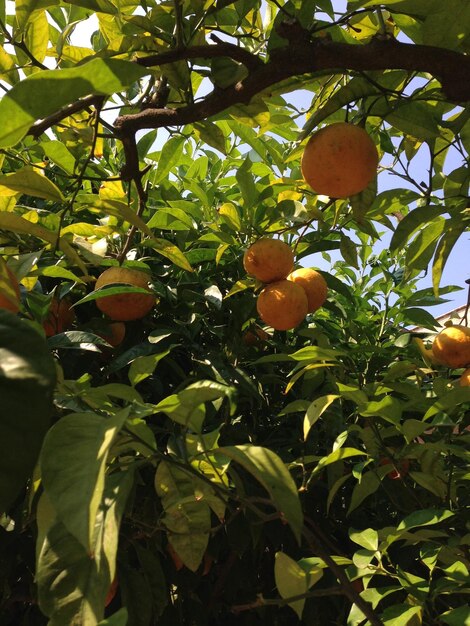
<point>315,353</point>
<point>212,135</point>
<point>73,461</point>
<point>44,93</point>
<point>457,617</point>
<point>452,399</point>
<point>60,155</point>
<point>18,224</point>
<point>402,615</point>
<point>27,379</point>
<point>448,26</point>
<point>368,538</point>
<point>186,407</point>
<point>316,410</point>
<point>291,580</point>
<point>336,455</point>
<point>389,408</point>
<point>425,517</point>
<point>368,484</point>
<point>185,499</point>
<point>348,251</point>
<point>354,90</point>
<point>169,157</point>
<point>169,251</point>
<point>415,119</point>
<point>97,6</point>
<point>272,473</point>
<point>120,618</point>
<point>144,366</point>
<point>30,182</point>
<point>73,582</point>
<point>443,250</point>
<point>411,222</point>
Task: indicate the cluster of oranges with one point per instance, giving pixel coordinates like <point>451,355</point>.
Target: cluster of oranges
<point>288,294</point>
<point>339,160</point>
<point>119,308</point>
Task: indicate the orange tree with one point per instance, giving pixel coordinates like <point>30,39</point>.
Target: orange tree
<point>204,468</point>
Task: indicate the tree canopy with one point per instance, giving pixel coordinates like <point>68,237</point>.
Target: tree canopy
<point>193,464</point>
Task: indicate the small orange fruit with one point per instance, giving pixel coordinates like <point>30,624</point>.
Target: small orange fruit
<point>282,305</point>
<point>464,380</point>
<point>5,301</point>
<point>314,285</point>
<point>125,306</point>
<point>60,317</point>
<point>114,334</point>
<point>339,160</point>
<point>452,346</point>
<point>268,260</point>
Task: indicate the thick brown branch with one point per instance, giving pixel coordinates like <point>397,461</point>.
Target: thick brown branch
<point>80,105</point>
<point>301,56</point>
<point>451,68</point>
<point>222,49</point>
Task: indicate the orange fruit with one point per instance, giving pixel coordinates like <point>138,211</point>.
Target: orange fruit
<point>452,346</point>
<point>5,301</point>
<point>464,380</point>
<point>339,160</point>
<point>268,260</point>
<point>314,285</point>
<point>60,317</point>
<point>282,305</point>
<point>125,306</point>
<point>114,334</point>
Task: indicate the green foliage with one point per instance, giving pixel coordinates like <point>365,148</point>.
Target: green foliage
<point>208,469</point>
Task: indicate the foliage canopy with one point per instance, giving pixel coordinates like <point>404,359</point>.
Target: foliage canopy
<point>220,472</point>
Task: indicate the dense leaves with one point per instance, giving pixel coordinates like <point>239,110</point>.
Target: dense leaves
<point>203,468</point>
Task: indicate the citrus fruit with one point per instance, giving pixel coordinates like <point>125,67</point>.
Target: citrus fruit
<point>60,317</point>
<point>124,307</point>
<point>268,260</point>
<point>314,285</point>
<point>339,160</point>
<point>5,301</point>
<point>464,380</point>
<point>452,346</point>
<point>114,334</point>
<point>282,305</point>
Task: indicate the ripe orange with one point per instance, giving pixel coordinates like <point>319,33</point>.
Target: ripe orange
<point>282,305</point>
<point>314,285</point>
<point>125,306</point>
<point>464,380</point>
<point>268,260</point>
<point>114,334</point>
<point>5,301</point>
<point>60,317</point>
<point>339,160</point>
<point>452,346</point>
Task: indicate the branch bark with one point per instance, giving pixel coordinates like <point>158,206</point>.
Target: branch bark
<point>301,55</point>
